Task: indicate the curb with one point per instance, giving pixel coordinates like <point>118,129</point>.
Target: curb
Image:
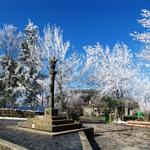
<point>84,141</point>
<point>13,118</point>
<point>5,145</point>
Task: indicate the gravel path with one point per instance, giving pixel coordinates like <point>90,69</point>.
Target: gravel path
<point>37,141</point>
<point>121,137</point>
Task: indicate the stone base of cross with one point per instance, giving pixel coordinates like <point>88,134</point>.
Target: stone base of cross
<point>51,112</point>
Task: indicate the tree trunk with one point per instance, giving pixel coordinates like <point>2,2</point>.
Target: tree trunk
<point>147,116</point>
<point>13,104</point>
<point>4,103</point>
<point>42,101</point>
<point>31,105</point>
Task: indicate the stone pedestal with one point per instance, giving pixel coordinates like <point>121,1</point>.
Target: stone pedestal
<point>50,123</point>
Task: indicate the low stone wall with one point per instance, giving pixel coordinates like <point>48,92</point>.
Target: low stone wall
<point>139,124</point>
<point>85,142</point>
<point>16,113</point>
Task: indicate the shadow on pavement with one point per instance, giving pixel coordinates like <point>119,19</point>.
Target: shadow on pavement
<point>97,135</point>
<point>93,143</point>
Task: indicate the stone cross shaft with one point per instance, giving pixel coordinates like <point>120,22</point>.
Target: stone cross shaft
<point>52,81</point>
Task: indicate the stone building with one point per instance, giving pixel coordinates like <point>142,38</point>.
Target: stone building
<point>90,110</point>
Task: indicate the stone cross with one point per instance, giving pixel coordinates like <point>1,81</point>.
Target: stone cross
<point>50,110</point>
<point>52,81</point>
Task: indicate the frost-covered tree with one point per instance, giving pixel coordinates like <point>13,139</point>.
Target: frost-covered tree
<point>110,71</point>
<point>54,46</point>
<point>92,61</point>
<point>142,84</point>
<point>30,64</point>
<point>2,86</point>
<point>10,40</point>
<point>140,93</point>
<point>145,36</point>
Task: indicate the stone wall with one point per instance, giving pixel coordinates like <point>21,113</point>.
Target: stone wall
<point>16,113</point>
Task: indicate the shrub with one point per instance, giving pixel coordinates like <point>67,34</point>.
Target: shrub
<point>126,118</point>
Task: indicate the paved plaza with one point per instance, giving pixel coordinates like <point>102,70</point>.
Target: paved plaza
<point>121,137</point>
<point>106,137</point>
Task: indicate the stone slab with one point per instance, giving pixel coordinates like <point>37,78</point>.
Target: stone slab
<point>65,127</point>
<point>57,122</point>
<point>85,129</point>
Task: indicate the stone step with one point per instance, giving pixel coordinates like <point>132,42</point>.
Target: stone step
<point>48,117</point>
<point>58,117</point>
<point>64,127</point>
<point>59,122</point>
<point>51,128</point>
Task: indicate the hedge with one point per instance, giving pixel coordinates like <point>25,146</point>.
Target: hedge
<point>126,118</point>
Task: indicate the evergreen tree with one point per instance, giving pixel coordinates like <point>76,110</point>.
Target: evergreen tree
<point>9,46</point>
<point>29,64</point>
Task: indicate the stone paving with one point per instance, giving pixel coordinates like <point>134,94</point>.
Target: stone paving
<point>106,137</point>
<point>37,141</point>
<point>121,137</point>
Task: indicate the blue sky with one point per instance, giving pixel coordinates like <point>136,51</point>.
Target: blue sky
<point>84,22</point>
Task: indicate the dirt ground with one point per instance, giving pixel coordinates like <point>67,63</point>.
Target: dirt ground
<point>121,137</point>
